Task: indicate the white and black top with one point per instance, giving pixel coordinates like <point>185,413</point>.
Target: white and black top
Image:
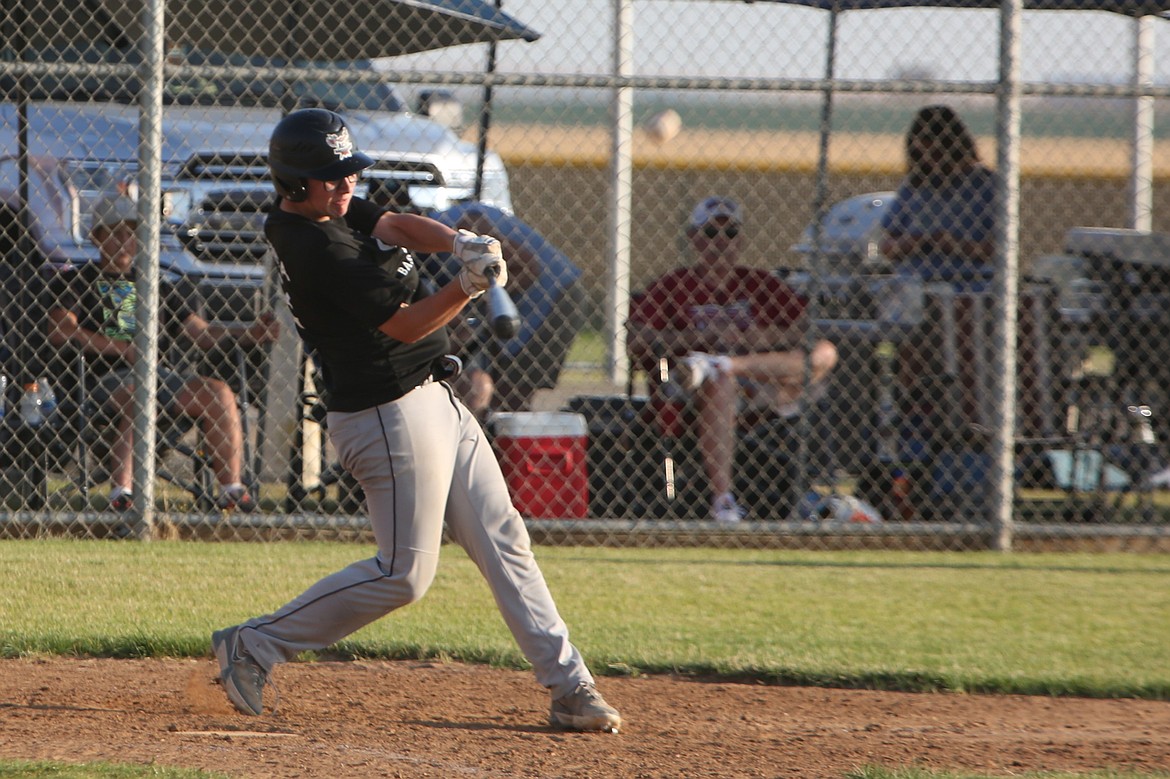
<point>340,285</point>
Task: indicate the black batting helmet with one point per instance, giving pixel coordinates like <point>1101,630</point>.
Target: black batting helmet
<point>312,143</point>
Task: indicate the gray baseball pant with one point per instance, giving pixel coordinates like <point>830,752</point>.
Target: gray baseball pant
<point>420,459</point>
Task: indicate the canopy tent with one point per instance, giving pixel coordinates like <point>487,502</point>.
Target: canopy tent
<point>308,30</point>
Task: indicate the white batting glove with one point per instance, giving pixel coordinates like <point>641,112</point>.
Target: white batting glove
<point>474,275</point>
<point>467,245</point>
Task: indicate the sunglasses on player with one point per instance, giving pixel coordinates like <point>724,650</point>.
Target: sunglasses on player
<point>714,231</point>
<point>333,186</point>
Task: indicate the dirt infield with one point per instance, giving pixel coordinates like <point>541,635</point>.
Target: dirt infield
<point>412,719</point>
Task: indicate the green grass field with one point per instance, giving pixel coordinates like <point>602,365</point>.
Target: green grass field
<point>1054,624</point>
<point>1089,625</point>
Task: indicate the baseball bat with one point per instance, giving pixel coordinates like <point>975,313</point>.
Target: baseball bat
<point>505,318</point>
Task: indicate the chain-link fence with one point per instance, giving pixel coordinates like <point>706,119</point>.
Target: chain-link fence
<point>700,358</point>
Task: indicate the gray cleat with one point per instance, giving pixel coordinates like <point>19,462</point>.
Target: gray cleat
<point>584,709</point>
<point>243,678</point>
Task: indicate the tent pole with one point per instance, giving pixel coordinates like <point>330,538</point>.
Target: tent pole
<point>820,197</point>
<point>821,192</point>
<point>485,118</point>
<point>23,265</point>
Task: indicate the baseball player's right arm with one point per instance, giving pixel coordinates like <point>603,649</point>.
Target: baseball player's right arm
<point>415,321</point>
<point>414,232</point>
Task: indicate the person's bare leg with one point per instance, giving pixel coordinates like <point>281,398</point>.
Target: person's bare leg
<point>122,453</point>
<point>716,406</point>
<point>122,447</point>
<point>785,370</point>
<point>213,403</point>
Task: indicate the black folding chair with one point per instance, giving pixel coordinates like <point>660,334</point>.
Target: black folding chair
<point>80,430</point>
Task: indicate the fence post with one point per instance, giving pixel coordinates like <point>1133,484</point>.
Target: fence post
<point>1007,275</point>
<point>146,265</point>
<point>621,191</point>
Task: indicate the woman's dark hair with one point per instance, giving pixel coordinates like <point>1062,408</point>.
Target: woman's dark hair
<point>950,140</point>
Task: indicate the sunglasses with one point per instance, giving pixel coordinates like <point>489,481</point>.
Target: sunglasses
<point>713,232</point>
<point>333,186</point>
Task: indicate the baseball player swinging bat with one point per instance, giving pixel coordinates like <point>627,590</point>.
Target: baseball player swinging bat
<point>505,319</point>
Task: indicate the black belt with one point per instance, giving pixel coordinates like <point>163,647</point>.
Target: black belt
<point>446,367</point>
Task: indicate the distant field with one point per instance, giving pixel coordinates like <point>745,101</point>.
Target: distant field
<point>1073,137</point>
<point>1067,118</point>
<point>764,150</point>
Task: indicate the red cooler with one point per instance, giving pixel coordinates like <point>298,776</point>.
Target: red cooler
<point>542,454</point>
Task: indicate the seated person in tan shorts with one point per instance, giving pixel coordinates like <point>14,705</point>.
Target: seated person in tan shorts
<point>733,334</point>
<point>93,309</point>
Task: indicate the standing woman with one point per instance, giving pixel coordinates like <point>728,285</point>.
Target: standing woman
<point>941,225</point>
<point>420,456</point>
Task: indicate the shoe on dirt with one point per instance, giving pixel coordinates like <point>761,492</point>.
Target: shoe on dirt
<point>243,678</point>
<point>585,709</point>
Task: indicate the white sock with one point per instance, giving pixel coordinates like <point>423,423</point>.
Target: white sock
<point>118,491</point>
<point>235,488</point>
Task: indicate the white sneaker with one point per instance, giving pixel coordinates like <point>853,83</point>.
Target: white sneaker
<point>585,709</point>
<point>726,511</point>
<point>698,367</point>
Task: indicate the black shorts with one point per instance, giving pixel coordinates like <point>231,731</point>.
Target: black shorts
<point>170,384</point>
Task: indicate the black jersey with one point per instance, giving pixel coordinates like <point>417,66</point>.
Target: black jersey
<point>340,285</point>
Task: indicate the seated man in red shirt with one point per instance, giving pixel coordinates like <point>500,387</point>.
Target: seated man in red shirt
<point>734,334</point>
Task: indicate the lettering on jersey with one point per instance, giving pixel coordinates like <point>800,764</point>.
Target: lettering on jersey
<point>340,143</point>
<point>406,265</point>
<point>710,315</point>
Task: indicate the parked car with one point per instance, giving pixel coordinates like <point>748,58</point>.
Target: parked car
<point>215,178</point>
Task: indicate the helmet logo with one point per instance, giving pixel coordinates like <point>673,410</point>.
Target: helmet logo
<point>340,143</point>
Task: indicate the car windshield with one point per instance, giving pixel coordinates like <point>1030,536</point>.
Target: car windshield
<point>198,90</point>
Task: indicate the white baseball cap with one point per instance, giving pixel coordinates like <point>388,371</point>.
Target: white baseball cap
<point>113,209</point>
<point>714,207</point>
